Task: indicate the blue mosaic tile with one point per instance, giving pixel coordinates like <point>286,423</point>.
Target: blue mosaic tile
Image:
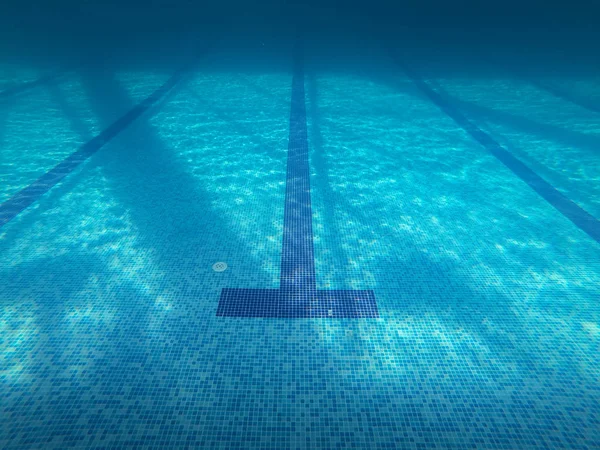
<point>487,296</point>
<point>297,296</point>
<point>581,218</point>
<point>23,87</point>
<point>296,304</point>
<point>29,195</point>
<point>566,95</point>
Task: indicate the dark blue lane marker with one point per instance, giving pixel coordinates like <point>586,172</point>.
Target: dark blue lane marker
<point>22,87</point>
<point>560,93</point>
<point>24,198</point>
<point>297,296</point>
<point>581,218</point>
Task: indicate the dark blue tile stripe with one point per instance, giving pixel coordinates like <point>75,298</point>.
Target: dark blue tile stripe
<point>297,259</point>
<point>297,296</point>
<point>281,304</point>
<point>20,88</point>
<point>560,93</point>
<point>27,196</point>
<point>581,218</point>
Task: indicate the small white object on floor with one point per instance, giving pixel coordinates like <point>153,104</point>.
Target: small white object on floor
<point>219,266</point>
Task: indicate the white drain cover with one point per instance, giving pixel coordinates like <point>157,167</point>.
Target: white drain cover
<point>219,267</point>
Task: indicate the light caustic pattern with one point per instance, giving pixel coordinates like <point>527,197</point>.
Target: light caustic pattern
<point>489,321</point>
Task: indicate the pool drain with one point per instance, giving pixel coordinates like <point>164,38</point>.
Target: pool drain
<point>219,267</point>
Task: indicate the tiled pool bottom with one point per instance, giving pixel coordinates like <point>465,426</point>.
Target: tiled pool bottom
<point>488,321</point>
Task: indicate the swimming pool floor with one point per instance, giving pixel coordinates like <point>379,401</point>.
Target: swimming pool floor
<point>412,256</point>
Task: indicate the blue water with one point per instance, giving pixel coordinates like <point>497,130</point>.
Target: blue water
<point>487,322</point>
